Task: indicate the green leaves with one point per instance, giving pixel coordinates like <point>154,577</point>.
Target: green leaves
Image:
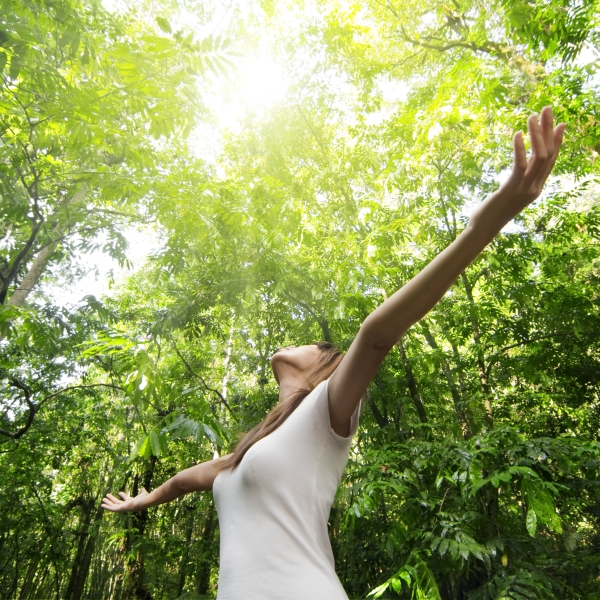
<point>417,576</point>
<point>157,443</point>
<point>531,522</point>
<point>176,426</point>
<point>539,500</point>
<point>164,24</point>
<point>443,499</point>
<point>15,67</point>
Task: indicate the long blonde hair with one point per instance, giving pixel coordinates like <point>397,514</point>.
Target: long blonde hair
<point>324,367</point>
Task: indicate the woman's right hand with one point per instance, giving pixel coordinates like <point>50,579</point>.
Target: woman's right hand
<point>126,504</point>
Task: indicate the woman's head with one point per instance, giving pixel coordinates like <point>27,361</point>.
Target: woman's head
<point>312,363</point>
<point>306,366</point>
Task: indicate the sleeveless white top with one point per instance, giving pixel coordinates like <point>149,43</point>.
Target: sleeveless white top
<point>273,510</point>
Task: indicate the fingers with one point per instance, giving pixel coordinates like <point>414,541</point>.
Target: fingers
<point>529,176</point>
<point>112,503</point>
<point>520,156</point>
<point>557,136</point>
<point>109,502</point>
<point>559,133</point>
<point>519,161</point>
<point>547,129</point>
<point>539,154</point>
<point>545,145</point>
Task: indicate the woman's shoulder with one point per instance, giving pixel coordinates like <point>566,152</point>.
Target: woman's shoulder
<point>320,403</point>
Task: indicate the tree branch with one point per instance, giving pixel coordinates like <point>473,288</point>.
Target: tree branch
<point>496,356</point>
<point>199,377</point>
<point>321,320</point>
<point>34,408</point>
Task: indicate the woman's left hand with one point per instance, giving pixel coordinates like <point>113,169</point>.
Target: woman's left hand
<point>528,176</point>
<point>127,503</point>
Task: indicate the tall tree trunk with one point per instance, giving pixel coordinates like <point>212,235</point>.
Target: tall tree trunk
<point>38,266</point>
<point>72,592</point>
<point>410,379</point>
<point>463,414</point>
<point>206,548</point>
<point>29,578</point>
<point>83,568</point>
<point>41,260</point>
<point>32,277</point>
<point>412,383</point>
<point>39,590</point>
<point>324,324</point>
<point>186,553</point>
<point>135,564</point>
<point>227,360</point>
<point>380,418</point>
<point>483,379</point>
<point>15,578</point>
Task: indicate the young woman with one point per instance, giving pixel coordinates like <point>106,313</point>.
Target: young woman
<point>274,492</point>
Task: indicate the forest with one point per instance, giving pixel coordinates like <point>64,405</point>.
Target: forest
<point>239,176</point>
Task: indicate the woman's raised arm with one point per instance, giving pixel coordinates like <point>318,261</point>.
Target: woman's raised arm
<point>195,479</point>
<point>386,325</point>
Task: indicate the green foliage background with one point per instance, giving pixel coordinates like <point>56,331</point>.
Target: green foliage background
<point>474,473</point>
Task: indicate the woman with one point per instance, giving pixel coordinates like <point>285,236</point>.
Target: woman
<point>274,493</point>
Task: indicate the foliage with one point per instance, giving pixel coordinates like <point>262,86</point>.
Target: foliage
<point>475,470</point>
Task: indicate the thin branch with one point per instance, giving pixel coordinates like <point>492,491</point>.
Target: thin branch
<point>303,305</point>
<point>34,408</point>
<point>496,356</point>
<point>206,386</point>
<point>321,320</point>
<point>507,54</point>
<point>80,387</point>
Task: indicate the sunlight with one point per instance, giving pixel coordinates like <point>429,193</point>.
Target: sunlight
<point>254,87</point>
<point>262,83</point>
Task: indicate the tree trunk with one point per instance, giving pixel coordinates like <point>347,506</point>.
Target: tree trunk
<point>83,568</point>
<point>412,383</point>
<point>463,414</point>
<point>135,564</point>
<point>72,592</point>
<point>325,329</point>
<point>227,360</point>
<point>186,554</point>
<point>29,578</point>
<point>381,420</point>
<point>480,356</point>
<point>41,260</point>
<point>33,275</point>
<point>206,543</point>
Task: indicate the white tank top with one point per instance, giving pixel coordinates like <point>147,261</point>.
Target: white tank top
<point>273,510</point>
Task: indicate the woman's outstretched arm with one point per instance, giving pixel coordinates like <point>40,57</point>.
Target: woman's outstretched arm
<point>386,325</point>
<point>195,479</point>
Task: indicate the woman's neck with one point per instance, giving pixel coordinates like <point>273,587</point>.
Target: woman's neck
<point>290,381</point>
